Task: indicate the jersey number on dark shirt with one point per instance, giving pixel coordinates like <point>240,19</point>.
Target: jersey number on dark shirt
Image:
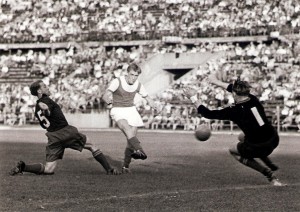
<point>43,120</point>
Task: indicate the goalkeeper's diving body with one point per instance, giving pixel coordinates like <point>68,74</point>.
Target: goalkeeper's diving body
<point>260,139</point>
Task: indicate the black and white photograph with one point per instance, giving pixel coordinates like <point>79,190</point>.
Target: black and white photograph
<point>150,105</point>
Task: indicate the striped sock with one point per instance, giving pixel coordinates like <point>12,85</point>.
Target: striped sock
<point>100,157</point>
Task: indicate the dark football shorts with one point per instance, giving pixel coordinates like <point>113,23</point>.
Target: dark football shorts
<point>249,150</point>
<point>67,137</point>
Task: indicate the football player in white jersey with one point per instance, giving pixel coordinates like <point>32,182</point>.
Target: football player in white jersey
<point>120,95</point>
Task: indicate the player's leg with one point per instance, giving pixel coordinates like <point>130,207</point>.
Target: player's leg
<point>54,151</point>
<point>268,148</point>
<point>134,142</point>
<point>36,168</point>
<point>250,162</point>
<point>129,150</point>
<point>130,133</point>
<point>70,137</point>
<point>50,167</point>
<point>99,157</point>
<point>253,164</point>
<point>269,163</point>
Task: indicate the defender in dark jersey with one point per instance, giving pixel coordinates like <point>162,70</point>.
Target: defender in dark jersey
<point>60,135</point>
<point>248,113</point>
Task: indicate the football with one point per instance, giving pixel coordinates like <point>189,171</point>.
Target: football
<point>241,137</point>
<point>203,132</point>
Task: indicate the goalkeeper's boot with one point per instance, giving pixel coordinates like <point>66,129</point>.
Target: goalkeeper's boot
<point>18,169</point>
<point>272,178</point>
<point>276,182</point>
<point>139,154</point>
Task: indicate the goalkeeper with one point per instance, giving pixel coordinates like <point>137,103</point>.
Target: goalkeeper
<point>248,113</point>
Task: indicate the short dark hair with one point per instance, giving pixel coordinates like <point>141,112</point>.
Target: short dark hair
<point>241,88</point>
<point>34,87</point>
<point>134,67</point>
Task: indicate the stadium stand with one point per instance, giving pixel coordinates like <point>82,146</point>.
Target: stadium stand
<point>270,62</point>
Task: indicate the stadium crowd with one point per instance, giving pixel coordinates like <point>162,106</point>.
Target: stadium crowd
<point>81,77</point>
<point>57,21</point>
<point>81,73</point>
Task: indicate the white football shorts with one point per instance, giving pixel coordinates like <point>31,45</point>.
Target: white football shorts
<point>128,113</point>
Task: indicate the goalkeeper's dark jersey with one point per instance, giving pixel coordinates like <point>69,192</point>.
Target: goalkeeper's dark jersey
<point>248,115</point>
<point>53,122</point>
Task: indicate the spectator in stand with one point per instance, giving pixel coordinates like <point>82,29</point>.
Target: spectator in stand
<point>147,120</point>
<point>297,121</point>
<point>155,124</point>
<point>287,122</point>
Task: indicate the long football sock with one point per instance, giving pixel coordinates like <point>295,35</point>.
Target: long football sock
<point>127,158</point>
<point>36,168</point>
<point>254,165</point>
<point>135,143</point>
<point>100,157</point>
<point>269,163</point>
<point>251,163</point>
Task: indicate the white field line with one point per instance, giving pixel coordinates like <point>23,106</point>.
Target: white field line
<point>222,132</point>
<point>171,194</point>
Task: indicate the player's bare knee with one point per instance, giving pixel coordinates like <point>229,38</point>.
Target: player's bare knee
<point>50,167</point>
<point>88,143</point>
<point>232,150</point>
<point>89,146</point>
<point>48,170</point>
<point>129,133</point>
<point>235,153</point>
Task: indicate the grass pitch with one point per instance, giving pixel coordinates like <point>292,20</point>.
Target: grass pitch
<point>180,174</point>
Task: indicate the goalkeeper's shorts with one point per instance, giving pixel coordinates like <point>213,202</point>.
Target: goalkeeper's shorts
<point>258,150</point>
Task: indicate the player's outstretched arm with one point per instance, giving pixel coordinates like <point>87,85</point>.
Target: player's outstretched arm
<point>213,79</point>
<point>192,95</point>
